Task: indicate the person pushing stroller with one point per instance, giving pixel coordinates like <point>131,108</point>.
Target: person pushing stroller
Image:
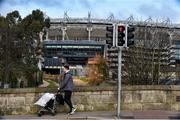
<point>66,87</point>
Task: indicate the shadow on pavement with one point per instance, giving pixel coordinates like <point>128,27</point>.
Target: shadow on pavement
<point>1,117</point>
<point>127,117</point>
<point>177,117</point>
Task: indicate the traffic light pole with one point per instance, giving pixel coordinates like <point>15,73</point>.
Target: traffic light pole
<point>119,81</point>
<point>119,72</point>
<point>123,32</point>
<point>114,34</point>
<point>126,35</point>
<point>118,32</point>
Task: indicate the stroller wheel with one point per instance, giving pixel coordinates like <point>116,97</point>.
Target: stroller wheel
<point>53,113</point>
<point>40,113</point>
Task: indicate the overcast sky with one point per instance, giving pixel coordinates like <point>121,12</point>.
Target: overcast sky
<point>122,9</point>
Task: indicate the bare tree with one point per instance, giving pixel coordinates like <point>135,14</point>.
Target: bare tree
<point>143,62</point>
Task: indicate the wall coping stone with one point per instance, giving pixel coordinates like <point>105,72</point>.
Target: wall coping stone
<point>92,89</point>
<point>151,87</point>
<point>43,90</point>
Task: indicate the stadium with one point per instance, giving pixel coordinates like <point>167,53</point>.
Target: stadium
<point>91,32</point>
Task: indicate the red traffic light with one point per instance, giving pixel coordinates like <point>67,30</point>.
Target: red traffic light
<point>121,28</point>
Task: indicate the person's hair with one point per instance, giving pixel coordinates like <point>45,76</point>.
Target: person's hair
<point>66,66</point>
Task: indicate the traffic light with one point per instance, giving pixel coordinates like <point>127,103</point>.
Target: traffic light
<point>110,35</point>
<point>121,32</point>
<point>112,58</point>
<point>130,35</point>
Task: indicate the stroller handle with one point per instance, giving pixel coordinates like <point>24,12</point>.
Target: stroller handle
<point>58,91</point>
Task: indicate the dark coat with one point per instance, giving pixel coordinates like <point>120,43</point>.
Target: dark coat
<point>67,82</point>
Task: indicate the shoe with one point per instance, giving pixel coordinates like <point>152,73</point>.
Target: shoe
<point>72,111</point>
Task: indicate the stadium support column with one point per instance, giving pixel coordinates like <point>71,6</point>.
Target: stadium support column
<point>47,35</point>
<point>63,29</point>
<point>89,29</point>
<point>89,26</point>
<point>41,36</point>
<point>104,50</point>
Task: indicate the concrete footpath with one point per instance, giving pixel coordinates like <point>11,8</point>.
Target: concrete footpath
<point>155,114</point>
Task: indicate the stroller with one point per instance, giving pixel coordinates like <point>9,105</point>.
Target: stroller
<point>48,103</point>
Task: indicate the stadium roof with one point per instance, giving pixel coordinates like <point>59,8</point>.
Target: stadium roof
<point>106,21</point>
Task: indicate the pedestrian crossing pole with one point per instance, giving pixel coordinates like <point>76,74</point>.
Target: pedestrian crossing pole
<point>120,48</point>
<point>119,81</point>
<point>115,44</point>
<point>122,31</point>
